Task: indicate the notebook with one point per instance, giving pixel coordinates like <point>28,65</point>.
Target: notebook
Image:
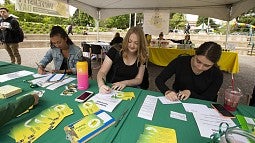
<point>88,127</point>
<point>9,90</point>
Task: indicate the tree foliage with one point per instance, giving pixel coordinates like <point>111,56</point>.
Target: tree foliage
<point>247,18</point>
<point>120,22</point>
<point>177,21</point>
<point>82,19</point>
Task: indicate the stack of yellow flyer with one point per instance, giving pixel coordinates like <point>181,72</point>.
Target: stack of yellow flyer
<point>88,107</point>
<point>9,90</point>
<point>156,134</point>
<point>124,95</point>
<point>48,119</point>
<point>88,127</point>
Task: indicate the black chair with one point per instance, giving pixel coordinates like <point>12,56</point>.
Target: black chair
<point>89,66</point>
<point>97,50</point>
<point>86,48</point>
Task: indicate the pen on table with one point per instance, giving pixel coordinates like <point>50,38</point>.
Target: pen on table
<point>121,117</point>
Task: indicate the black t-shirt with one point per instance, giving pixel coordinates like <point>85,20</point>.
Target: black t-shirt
<point>204,86</point>
<point>64,65</point>
<point>119,70</point>
<point>116,40</point>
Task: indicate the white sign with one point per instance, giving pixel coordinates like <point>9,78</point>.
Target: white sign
<point>156,21</point>
<point>44,7</point>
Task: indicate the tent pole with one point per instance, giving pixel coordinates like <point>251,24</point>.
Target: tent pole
<point>97,23</point>
<point>226,41</point>
<point>230,13</point>
<point>130,20</point>
<point>135,20</point>
<point>208,24</point>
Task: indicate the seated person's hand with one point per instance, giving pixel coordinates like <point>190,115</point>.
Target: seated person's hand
<point>36,98</point>
<point>55,71</point>
<point>105,89</point>
<point>118,86</point>
<point>41,70</point>
<point>171,95</point>
<point>183,95</point>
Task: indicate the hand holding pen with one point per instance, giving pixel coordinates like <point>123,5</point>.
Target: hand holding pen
<point>183,95</point>
<point>40,69</point>
<point>171,95</point>
<point>104,88</point>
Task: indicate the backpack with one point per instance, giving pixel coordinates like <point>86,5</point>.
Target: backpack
<point>20,35</point>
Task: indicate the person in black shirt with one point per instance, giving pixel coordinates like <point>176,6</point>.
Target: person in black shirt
<point>124,68</point>
<point>186,40</point>
<point>161,36</point>
<point>196,76</point>
<point>117,39</point>
<point>9,27</point>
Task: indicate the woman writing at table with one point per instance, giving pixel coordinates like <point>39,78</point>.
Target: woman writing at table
<point>195,76</point>
<point>125,67</point>
<point>63,53</point>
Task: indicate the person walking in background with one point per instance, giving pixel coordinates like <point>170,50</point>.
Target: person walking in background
<point>186,40</point>
<point>63,52</point>
<point>196,76</point>
<point>70,29</point>
<point>8,35</point>
<point>127,67</point>
<point>117,39</point>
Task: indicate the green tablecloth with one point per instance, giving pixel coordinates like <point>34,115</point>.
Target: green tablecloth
<point>127,131</point>
<point>53,97</point>
<point>186,131</point>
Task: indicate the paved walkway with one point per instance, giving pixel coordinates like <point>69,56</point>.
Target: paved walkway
<point>245,79</point>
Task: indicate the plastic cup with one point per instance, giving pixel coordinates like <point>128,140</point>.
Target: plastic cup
<point>231,98</point>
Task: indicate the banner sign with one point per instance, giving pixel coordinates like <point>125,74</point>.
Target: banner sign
<point>44,7</point>
<point>156,21</point>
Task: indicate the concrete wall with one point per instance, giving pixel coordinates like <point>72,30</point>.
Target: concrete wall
<point>240,42</point>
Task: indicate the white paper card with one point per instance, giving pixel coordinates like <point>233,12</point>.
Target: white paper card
<point>164,100</point>
<point>148,107</point>
<point>177,115</point>
<point>60,83</point>
<point>14,75</point>
<point>209,124</point>
<point>105,101</point>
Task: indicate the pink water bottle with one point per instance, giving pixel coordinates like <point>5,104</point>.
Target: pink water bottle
<point>82,75</point>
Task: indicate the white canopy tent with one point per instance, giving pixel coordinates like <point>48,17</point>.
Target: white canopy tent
<point>220,9</point>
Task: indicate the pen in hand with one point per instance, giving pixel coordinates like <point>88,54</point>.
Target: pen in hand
<point>40,67</point>
<point>121,117</point>
<point>107,89</point>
